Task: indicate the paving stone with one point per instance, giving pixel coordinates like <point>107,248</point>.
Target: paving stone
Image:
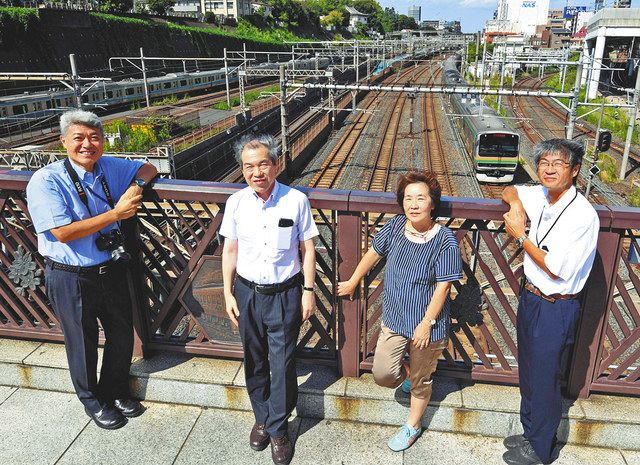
<point>14,351</point>
<point>319,379</point>
<point>222,437</point>
<point>154,437</point>
<point>35,377</point>
<point>572,455</point>
<point>53,356</point>
<point>330,442</point>
<point>185,367</point>
<point>187,392</point>
<point>603,434</point>
<point>612,408</point>
<point>632,457</point>
<point>5,392</point>
<point>36,427</point>
<point>454,449</point>
<point>446,391</point>
<point>506,399</point>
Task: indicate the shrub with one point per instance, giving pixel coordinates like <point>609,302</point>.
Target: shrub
<point>608,168</point>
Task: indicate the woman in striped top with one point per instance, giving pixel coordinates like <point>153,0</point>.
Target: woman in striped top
<point>423,258</point>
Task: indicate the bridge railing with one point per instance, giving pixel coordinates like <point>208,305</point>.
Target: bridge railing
<point>177,283</point>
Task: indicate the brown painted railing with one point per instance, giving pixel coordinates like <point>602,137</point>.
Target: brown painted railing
<point>179,304</point>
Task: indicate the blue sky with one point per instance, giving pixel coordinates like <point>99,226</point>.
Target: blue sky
<point>471,13</point>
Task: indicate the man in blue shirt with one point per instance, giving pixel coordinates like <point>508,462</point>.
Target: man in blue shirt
<point>76,206</point>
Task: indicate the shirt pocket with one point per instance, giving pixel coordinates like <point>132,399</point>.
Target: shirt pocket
<point>283,237</point>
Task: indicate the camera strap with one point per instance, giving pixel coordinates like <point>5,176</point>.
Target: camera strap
<point>81,190</point>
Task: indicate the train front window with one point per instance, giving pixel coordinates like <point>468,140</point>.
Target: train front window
<point>497,144</point>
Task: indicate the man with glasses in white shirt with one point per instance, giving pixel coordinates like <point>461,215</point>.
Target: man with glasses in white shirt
<point>268,266</point>
<point>559,253</point>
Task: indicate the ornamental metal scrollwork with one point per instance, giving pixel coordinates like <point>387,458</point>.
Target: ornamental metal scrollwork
<point>468,305</point>
<point>24,272</point>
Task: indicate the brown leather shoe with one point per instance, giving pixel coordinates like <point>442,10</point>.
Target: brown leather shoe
<point>281,450</point>
<point>259,438</point>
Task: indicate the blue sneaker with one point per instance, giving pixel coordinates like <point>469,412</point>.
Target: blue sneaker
<point>404,438</point>
<point>406,386</point>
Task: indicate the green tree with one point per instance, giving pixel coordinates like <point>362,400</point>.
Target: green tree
<point>119,6</point>
<point>406,22</point>
<point>160,7</point>
<point>334,18</point>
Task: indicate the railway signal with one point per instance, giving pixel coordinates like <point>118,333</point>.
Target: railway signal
<point>604,141</point>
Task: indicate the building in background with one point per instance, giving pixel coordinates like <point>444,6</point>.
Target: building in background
<point>622,4</point>
<point>611,51</point>
<point>519,16</point>
<point>355,18</point>
<point>415,12</point>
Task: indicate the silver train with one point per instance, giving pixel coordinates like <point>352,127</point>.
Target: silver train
<point>493,145</point>
<point>22,108</point>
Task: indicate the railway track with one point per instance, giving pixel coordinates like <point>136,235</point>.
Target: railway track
<point>433,148</point>
<point>604,194</point>
<point>333,167</point>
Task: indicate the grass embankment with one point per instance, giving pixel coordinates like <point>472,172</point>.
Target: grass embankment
<point>244,30</point>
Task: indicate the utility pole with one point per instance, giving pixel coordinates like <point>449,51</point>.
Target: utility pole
<point>144,78</point>
<point>356,62</point>
<point>75,81</point>
<point>632,122</point>
<point>283,119</point>
<point>502,66</point>
<point>595,151</point>
<point>574,100</point>
<point>475,66</point>
<point>226,78</point>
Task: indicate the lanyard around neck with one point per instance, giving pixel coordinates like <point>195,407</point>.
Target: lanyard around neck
<point>80,188</point>
<point>539,241</point>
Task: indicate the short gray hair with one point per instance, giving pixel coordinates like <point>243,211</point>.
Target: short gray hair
<point>255,141</point>
<point>85,118</point>
<point>568,148</point>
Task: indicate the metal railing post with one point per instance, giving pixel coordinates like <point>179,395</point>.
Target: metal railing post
<point>596,299</point>
<point>349,311</point>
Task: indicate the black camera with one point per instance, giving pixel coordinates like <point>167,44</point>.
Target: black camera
<point>113,241</point>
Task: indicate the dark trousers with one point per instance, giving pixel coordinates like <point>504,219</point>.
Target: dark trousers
<point>269,329</point>
<point>545,338</point>
<point>79,301</point>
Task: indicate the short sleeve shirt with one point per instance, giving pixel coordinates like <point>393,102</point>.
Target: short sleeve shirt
<point>567,231</point>
<point>268,233</point>
<point>54,202</point>
<point>411,273</point>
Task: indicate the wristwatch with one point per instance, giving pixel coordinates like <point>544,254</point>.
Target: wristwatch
<point>308,288</point>
<point>431,322</point>
<point>140,182</point>
<point>520,240</point>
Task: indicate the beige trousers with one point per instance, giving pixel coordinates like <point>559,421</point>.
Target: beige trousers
<point>387,363</point>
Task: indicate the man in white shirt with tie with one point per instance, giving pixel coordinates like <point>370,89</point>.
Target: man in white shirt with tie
<point>559,252</point>
<point>267,228</point>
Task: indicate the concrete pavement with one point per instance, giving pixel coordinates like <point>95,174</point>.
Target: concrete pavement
<point>45,427</point>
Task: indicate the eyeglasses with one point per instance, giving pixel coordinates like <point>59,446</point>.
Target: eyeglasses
<point>262,166</point>
<point>557,164</point>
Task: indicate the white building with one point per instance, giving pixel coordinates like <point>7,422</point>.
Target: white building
<point>415,12</point>
<point>227,8</point>
<point>522,16</point>
<point>355,18</point>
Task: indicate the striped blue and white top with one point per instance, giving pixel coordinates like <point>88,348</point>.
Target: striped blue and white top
<point>411,273</point>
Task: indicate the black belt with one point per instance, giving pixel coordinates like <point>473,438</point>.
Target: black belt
<point>272,288</point>
<point>102,268</point>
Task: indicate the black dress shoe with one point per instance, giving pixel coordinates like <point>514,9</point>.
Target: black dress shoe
<point>514,441</point>
<point>128,407</point>
<point>281,450</point>
<point>524,455</point>
<point>107,418</point>
<point>259,438</point>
